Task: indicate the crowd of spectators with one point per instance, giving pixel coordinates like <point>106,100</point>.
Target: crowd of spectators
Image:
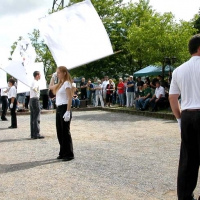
<point>128,92</point>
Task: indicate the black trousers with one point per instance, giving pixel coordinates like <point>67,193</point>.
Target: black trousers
<point>13,113</point>
<point>154,104</point>
<point>35,117</point>
<point>189,154</point>
<point>4,100</point>
<point>27,101</point>
<point>63,133</point>
<point>83,94</point>
<point>45,99</point>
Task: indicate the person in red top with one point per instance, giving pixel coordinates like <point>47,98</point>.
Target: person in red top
<point>109,92</point>
<point>120,89</point>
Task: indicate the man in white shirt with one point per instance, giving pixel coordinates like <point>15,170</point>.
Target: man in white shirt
<point>4,100</point>
<point>186,82</point>
<point>158,97</point>
<point>35,107</point>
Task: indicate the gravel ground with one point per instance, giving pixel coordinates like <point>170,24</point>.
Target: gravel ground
<point>117,156</point>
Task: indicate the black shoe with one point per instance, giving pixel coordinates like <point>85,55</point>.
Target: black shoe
<point>67,158</point>
<point>59,157</point>
<point>38,137</point>
<point>12,127</point>
<point>4,119</point>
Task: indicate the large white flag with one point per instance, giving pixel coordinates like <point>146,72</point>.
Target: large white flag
<point>42,82</point>
<point>3,79</point>
<point>25,77</point>
<point>76,35</point>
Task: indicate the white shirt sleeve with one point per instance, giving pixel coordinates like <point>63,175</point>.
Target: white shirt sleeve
<point>67,84</point>
<point>174,89</point>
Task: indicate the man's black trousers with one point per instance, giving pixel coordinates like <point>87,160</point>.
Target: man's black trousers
<point>189,154</point>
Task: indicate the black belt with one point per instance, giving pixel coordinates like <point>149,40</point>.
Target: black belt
<point>191,110</point>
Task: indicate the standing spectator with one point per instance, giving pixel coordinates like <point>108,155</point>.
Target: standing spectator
<point>158,97</point>
<point>125,91</point>
<point>4,100</point>
<point>147,81</point>
<point>12,94</point>
<point>109,92</point>
<point>27,99</point>
<point>63,92</point>
<point>120,88</point>
<point>139,82</point>
<point>130,91</point>
<point>83,86</point>
<point>185,81</point>
<point>35,107</point>
<point>104,85</point>
<point>45,98</point>
<point>98,94</point>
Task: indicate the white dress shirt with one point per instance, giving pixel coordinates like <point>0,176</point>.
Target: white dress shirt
<point>160,91</point>
<point>186,81</point>
<point>12,92</point>
<point>35,89</point>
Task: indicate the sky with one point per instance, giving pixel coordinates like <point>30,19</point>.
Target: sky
<point>20,17</point>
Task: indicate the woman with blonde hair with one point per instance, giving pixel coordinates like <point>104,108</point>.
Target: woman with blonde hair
<point>63,92</point>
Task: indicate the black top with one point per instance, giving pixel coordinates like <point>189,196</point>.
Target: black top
<point>83,84</point>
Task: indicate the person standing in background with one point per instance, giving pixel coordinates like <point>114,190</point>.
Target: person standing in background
<point>35,107</point>
<point>12,94</point>
<point>4,100</point>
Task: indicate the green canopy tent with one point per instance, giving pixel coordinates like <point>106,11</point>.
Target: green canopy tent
<point>153,71</point>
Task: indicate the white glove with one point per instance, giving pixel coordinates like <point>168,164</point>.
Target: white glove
<point>11,105</point>
<point>66,116</point>
<point>179,123</point>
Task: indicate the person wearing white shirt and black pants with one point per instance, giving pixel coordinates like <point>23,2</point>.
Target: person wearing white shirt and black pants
<point>4,100</point>
<point>186,82</point>
<point>12,94</point>
<point>63,92</point>
<point>158,97</point>
<point>35,107</point>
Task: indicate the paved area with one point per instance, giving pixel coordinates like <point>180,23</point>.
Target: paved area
<point>117,156</point>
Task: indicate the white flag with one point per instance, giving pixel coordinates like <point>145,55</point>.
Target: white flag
<point>17,70</point>
<point>42,82</point>
<point>76,35</point>
<point>3,79</point>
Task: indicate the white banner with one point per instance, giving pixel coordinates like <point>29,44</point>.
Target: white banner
<point>76,35</point>
<point>35,67</point>
<point>3,79</point>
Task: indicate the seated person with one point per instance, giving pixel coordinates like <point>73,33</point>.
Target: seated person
<point>140,95</point>
<point>75,100</point>
<point>144,101</point>
<point>158,97</point>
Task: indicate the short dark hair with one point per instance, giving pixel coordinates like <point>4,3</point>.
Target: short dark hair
<point>194,44</point>
<point>11,80</point>
<point>35,73</point>
<point>158,82</point>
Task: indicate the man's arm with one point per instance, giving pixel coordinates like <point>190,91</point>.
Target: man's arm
<point>175,106</point>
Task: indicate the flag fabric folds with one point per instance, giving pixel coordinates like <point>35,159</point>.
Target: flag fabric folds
<point>75,35</point>
<point>3,79</point>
